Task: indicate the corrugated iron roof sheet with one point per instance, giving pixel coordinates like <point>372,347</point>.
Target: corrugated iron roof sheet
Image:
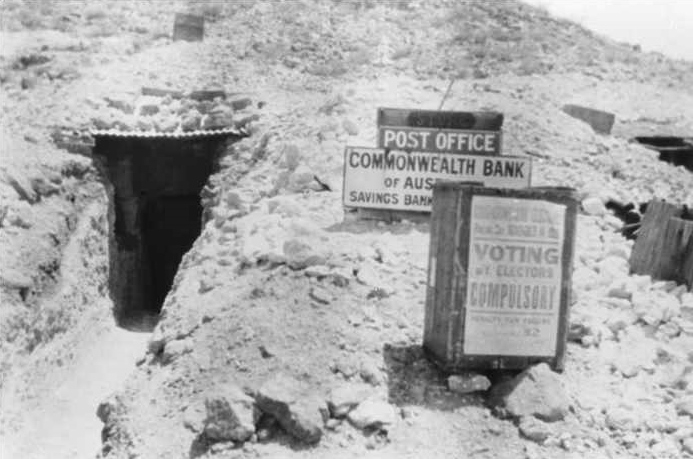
<point>168,135</point>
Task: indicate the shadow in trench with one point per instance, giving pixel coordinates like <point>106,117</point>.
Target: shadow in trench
<point>415,380</point>
<point>675,150</point>
<point>155,215</point>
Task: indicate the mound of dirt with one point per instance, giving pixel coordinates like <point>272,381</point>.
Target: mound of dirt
<point>44,193</point>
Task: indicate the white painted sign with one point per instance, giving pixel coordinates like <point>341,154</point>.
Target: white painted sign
<point>397,180</point>
<point>514,277</point>
<point>440,140</point>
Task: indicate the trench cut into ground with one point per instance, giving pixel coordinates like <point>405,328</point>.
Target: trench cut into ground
<point>675,150</point>
<point>155,215</point>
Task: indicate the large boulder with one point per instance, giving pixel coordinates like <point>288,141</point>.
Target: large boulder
<point>300,414</point>
<point>231,415</point>
<point>536,391</point>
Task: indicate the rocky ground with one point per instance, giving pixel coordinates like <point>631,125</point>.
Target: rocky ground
<point>293,330</point>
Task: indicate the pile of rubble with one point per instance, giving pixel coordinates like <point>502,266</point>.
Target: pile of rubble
<point>231,415</point>
<point>174,112</point>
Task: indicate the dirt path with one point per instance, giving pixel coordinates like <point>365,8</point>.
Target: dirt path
<point>62,423</point>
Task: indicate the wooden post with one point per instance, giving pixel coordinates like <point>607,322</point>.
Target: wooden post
<point>677,235</point>
<point>651,241</point>
<point>188,27</point>
<point>499,276</point>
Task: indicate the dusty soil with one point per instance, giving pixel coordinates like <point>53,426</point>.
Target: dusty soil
<point>356,311</point>
<point>61,420</point>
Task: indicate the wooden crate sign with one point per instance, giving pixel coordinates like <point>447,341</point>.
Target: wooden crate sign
<point>188,27</point>
<point>440,131</point>
<point>499,276</point>
<point>375,178</point>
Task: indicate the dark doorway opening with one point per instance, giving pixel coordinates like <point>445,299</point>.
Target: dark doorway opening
<point>675,150</point>
<point>169,231</point>
<point>155,215</point>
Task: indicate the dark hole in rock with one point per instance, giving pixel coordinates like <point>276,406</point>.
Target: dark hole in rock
<point>675,150</point>
<point>155,215</point>
<point>687,213</point>
<point>631,215</point>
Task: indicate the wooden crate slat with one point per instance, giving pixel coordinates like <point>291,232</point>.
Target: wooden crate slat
<point>650,242</point>
<point>670,265</point>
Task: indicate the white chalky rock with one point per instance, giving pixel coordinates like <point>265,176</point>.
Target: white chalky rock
<point>230,415</point>
<point>537,391</point>
<point>291,156</point>
<point>656,306</point>
<point>642,282</point>
<point>668,447</point>
<point>346,397</point>
<point>303,252</point>
<point>613,221</point>
<point>585,279</point>
<point>373,413</point>
<point>620,320</point>
<point>622,288</point>
<point>619,250</point>
<point>318,271</point>
<point>687,444</point>
<point>593,206</point>
<point>301,179</point>
<point>368,274</point>
<point>622,418</point>
<point>535,429</point>
<point>299,413</point>
<point>679,291</point>
<point>285,206</point>
<point>258,247</point>
<point>668,329</point>
<point>468,382</point>
<point>614,265</point>
<point>666,286</point>
<point>174,349</point>
<point>685,406</point>
<point>235,201</point>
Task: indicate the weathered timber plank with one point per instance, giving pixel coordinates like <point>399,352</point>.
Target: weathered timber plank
<point>651,240</point>
<point>677,235</point>
<point>687,268</point>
